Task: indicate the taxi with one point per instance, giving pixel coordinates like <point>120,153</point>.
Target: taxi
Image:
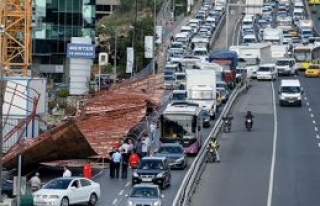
<point>313,71</point>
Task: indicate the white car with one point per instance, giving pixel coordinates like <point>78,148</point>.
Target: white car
<point>67,191</point>
<point>267,72</point>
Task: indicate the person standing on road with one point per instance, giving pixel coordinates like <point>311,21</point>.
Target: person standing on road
<point>124,164</point>
<point>67,172</point>
<point>112,163</point>
<point>134,160</point>
<point>116,158</point>
<point>139,148</point>
<point>153,128</point>
<point>35,182</point>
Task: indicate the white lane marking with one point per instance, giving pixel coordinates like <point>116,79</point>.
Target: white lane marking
<point>115,201</point>
<point>318,136</point>
<point>305,98</point>
<point>310,109</point>
<point>311,115</point>
<point>128,184</point>
<point>314,122</point>
<point>121,192</point>
<point>316,129</point>
<point>274,148</point>
<point>307,103</point>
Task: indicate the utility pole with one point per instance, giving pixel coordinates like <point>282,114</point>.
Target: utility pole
<point>1,103</point>
<point>154,36</point>
<point>115,55</point>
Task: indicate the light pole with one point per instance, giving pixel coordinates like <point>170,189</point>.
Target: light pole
<point>1,103</point>
<point>154,36</point>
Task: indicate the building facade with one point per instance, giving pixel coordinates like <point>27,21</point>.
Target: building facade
<point>54,23</point>
<point>105,7</point>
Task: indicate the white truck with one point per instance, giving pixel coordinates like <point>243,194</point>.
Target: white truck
<point>273,35</point>
<point>251,56</point>
<point>220,2</point>
<point>305,29</point>
<point>201,89</point>
<point>279,52</point>
<point>256,7</point>
<point>284,22</point>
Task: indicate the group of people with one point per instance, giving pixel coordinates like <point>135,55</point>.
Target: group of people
<point>125,154</point>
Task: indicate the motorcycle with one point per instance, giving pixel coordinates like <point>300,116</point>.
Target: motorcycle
<point>248,124</point>
<point>227,125</point>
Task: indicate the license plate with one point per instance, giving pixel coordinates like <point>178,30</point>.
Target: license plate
<point>146,179</point>
<point>291,101</point>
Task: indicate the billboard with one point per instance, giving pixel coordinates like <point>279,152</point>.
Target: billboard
<point>81,51</point>
<point>130,59</point>
<point>148,47</point>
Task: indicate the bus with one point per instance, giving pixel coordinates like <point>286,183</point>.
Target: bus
<point>182,122</point>
<point>313,2</point>
<point>306,54</point>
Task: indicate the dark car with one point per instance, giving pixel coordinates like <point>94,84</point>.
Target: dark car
<point>206,118</point>
<point>7,188</point>
<point>154,170</point>
<point>175,155</point>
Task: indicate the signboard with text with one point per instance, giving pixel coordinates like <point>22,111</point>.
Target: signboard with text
<point>81,51</point>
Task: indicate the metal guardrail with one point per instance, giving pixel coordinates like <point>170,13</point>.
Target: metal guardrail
<point>218,29</point>
<point>187,186</point>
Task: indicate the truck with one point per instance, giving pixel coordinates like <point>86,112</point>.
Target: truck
<point>305,29</point>
<point>256,9</point>
<point>273,35</point>
<point>284,22</point>
<point>279,52</point>
<point>201,89</point>
<point>220,2</point>
<point>251,56</point>
<point>229,61</point>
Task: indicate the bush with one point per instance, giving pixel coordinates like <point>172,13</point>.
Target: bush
<point>63,93</point>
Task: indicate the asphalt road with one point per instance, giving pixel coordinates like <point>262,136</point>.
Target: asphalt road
<point>242,177</point>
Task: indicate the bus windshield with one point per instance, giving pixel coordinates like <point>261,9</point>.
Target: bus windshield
<point>178,126</point>
<point>302,55</point>
<point>201,95</point>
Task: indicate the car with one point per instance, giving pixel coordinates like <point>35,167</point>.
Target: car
<point>224,95</point>
<point>65,191</point>
<point>312,71</point>
<point>145,194</point>
<point>154,170</point>
<point>169,82</point>
<point>174,153</point>
<point>7,188</point>
<point>206,118</point>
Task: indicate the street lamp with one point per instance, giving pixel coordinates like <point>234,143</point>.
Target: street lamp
<point>154,35</point>
<point>115,52</point>
<point>2,30</point>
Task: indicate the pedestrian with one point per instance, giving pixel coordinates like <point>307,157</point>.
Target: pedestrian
<point>67,172</point>
<point>153,127</point>
<point>124,164</point>
<point>139,147</point>
<point>35,182</point>
<point>146,146</point>
<point>116,158</point>
<point>126,146</point>
<point>134,160</point>
<point>87,170</point>
<point>112,163</point>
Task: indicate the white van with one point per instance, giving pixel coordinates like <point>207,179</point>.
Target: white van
<point>286,66</point>
<point>267,72</point>
<point>290,92</point>
<point>182,37</point>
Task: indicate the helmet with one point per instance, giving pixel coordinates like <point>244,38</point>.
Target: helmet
<point>37,174</point>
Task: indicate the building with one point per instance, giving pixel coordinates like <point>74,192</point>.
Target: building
<point>54,22</point>
<point>105,7</point>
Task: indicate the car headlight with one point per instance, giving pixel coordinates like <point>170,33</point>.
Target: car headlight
<point>53,197</point>
<point>129,203</point>
<point>179,160</point>
<point>160,175</point>
<point>135,174</point>
<point>299,97</point>
<point>156,203</point>
<point>282,97</point>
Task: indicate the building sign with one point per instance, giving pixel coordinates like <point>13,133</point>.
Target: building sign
<point>81,51</point>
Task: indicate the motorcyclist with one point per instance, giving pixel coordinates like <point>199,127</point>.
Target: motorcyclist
<point>213,151</point>
<point>228,117</point>
<point>249,115</point>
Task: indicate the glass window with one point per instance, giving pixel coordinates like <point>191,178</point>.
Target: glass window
<point>85,182</point>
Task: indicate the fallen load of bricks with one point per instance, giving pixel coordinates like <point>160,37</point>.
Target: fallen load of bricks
<point>104,119</point>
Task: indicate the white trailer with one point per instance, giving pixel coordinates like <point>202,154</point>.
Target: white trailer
<point>201,89</point>
<point>251,56</point>
<point>257,9</point>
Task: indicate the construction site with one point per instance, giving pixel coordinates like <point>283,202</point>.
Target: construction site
<point>101,119</point>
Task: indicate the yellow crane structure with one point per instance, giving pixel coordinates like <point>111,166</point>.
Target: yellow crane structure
<point>16,35</point>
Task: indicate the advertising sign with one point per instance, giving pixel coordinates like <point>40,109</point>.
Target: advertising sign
<point>81,51</point>
<point>148,47</point>
<point>130,59</point>
<point>103,59</point>
<point>159,34</point>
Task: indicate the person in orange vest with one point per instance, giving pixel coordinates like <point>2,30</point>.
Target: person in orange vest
<point>87,170</point>
<point>134,159</point>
